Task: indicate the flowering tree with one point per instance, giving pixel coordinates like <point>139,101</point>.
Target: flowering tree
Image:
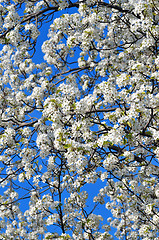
<point>87,114</point>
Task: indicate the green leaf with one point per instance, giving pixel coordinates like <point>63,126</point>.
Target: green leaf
<point>67,146</point>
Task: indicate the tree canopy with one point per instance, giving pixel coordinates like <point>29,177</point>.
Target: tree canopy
<point>86,115</point>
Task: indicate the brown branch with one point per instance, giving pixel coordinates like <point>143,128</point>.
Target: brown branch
<point>30,124</point>
<point>105,110</point>
<point>74,70</point>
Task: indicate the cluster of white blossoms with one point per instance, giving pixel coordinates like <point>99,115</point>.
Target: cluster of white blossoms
<point>81,128</point>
